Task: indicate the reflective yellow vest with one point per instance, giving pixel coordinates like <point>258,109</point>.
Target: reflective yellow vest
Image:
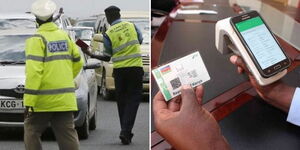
<point>52,63</point>
<point>125,45</point>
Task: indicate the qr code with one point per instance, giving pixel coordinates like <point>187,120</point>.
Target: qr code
<point>175,83</point>
<point>192,74</point>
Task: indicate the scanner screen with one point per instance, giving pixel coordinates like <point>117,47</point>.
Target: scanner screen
<point>260,42</point>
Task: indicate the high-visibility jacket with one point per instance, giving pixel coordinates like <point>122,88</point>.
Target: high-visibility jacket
<point>125,45</point>
<point>52,62</point>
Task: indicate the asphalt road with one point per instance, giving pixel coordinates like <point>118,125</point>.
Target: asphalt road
<point>105,137</point>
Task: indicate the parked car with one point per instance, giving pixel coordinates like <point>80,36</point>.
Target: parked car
<point>84,33</point>
<point>12,80</point>
<point>104,74</point>
<point>27,21</point>
<point>17,20</point>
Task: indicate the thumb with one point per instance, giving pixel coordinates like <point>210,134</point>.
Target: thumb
<point>188,98</point>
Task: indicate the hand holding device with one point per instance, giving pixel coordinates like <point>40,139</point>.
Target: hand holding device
<point>277,94</point>
<point>84,47</point>
<point>248,36</point>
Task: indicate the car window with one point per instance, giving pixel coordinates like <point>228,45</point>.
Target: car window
<point>84,34</point>
<point>86,24</point>
<point>17,23</point>
<point>12,47</point>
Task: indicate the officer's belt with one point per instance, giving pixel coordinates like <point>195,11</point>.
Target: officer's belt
<point>51,58</point>
<point>115,50</point>
<point>49,92</point>
<point>121,58</point>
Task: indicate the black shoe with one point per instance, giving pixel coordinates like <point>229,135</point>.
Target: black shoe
<point>126,138</point>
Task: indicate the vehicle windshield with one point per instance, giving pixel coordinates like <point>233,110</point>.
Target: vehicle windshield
<point>12,48</point>
<point>84,34</point>
<point>143,25</point>
<point>17,23</point>
<point>86,23</point>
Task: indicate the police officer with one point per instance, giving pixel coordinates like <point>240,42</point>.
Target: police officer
<point>52,63</point>
<point>122,45</point>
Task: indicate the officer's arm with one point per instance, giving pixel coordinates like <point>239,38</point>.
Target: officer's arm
<point>139,34</point>
<point>34,69</point>
<point>77,60</point>
<point>107,53</point>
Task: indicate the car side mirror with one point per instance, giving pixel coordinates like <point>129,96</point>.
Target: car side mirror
<point>98,38</point>
<point>92,64</point>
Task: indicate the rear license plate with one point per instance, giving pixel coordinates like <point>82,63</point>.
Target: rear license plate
<point>11,104</point>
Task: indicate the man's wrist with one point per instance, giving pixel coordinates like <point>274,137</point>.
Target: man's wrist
<point>282,96</point>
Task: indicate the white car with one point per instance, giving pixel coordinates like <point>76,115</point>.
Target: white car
<point>27,21</point>
<point>17,20</point>
<point>12,80</point>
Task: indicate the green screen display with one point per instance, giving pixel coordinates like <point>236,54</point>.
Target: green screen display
<point>248,24</point>
<point>260,42</point>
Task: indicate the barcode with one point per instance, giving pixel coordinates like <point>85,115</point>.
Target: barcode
<point>192,74</point>
<point>175,83</point>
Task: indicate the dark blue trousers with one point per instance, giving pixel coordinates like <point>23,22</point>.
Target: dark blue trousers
<point>129,90</point>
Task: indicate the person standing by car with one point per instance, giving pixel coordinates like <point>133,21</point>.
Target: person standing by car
<point>52,63</point>
<point>122,45</point>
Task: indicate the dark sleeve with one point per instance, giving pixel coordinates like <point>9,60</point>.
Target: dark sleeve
<point>101,57</point>
<point>107,45</point>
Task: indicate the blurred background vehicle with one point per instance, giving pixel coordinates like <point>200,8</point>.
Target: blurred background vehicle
<point>87,22</point>
<point>17,20</point>
<point>84,33</point>
<point>12,80</point>
<point>63,22</point>
<point>105,79</point>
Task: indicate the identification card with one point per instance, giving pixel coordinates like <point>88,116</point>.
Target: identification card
<point>188,70</point>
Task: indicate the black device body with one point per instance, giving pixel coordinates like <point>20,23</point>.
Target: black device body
<point>277,65</point>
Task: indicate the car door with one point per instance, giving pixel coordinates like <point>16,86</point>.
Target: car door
<point>92,85</point>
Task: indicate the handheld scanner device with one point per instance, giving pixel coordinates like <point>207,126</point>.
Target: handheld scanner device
<point>248,36</point>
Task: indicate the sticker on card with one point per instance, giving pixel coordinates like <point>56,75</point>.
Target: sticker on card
<point>188,70</point>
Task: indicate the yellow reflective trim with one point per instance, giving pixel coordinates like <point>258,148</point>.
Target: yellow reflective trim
<point>115,59</point>
<point>123,46</point>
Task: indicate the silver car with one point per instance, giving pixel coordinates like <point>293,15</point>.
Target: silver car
<point>12,79</point>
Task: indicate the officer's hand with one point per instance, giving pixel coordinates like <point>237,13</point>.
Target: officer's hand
<point>278,94</point>
<point>185,124</point>
<point>86,50</point>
